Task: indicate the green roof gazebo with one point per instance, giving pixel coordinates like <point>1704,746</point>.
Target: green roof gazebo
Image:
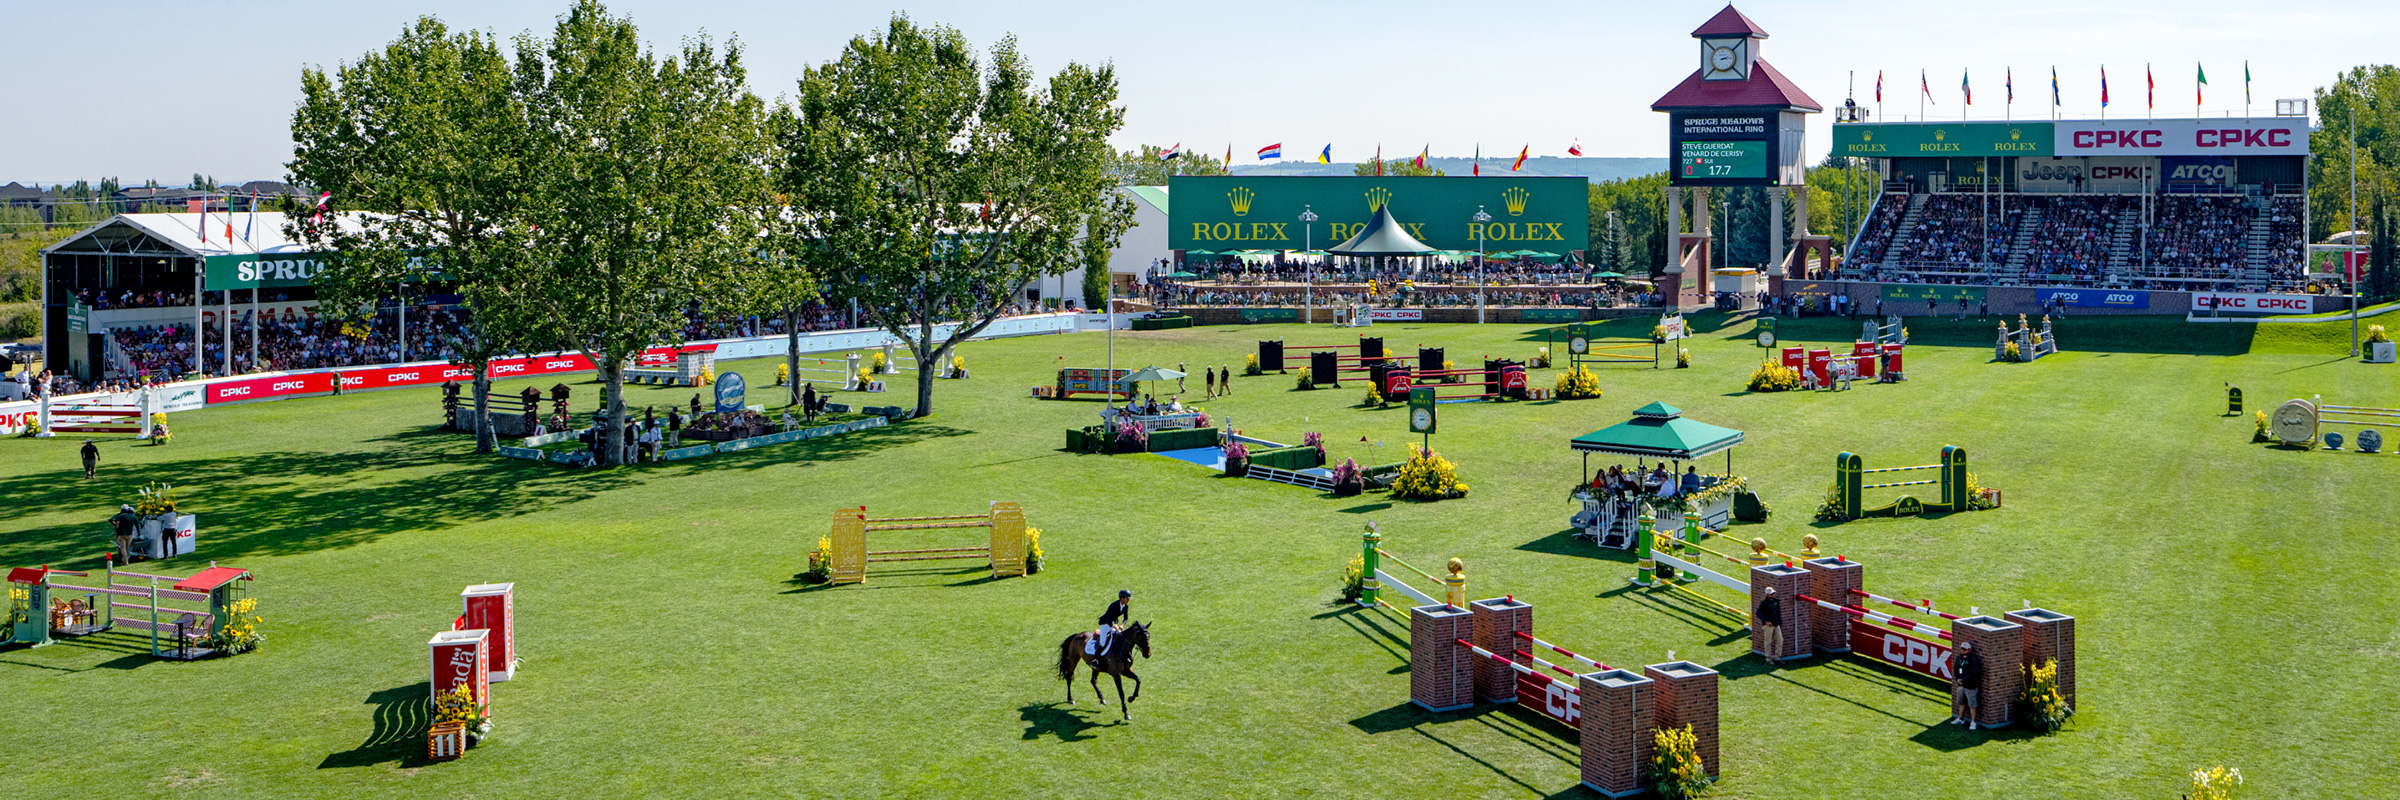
<point>1659,431</point>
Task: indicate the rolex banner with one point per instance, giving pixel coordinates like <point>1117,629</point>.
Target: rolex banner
<point>1228,213</point>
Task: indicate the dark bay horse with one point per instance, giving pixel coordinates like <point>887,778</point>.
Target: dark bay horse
<point>1117,662</point>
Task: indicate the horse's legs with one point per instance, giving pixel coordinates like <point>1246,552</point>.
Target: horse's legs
<point>1096,685</point>
<point>1137,684</point>
<point>1123,706</point>
<point>1072,660</point>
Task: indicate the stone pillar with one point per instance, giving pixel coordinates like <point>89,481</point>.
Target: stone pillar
<point>1790,583</point>
<point>1775,248</point>
<point>2002,645</point>
<point>1441,674</point>
<point>1496,623</point>
<point>1616,730</point>
<point>1674,230</point>
<point>1687,695</point>
<point>2048,635</point>
<point>1830,579</point>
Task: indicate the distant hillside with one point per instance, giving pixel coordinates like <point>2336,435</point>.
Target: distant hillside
<point>1597,169</point>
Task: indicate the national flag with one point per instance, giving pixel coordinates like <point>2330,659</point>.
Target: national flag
<point>1879,86</point>
<point>1379,161</point>
<point>1421,155</point>
<point>1227,164</point>
<point>1272,152</point>
<point>2104,86</point>
<point>1965,89</point>
<point>1327,156</point>
<point>228,219</point>
<point>2200,92</point>
<point>2245,81</point>
<point>2054,99</point>
<point>251,224</point>
<point>1576,149</point>
<point>322,199</point>
<point>1171,153</point>
<point>199,207</point>
<point>1478,159</point>
<point>2009,79</point>
<point>1925,87</point>
<point>2150,95</point>
<point>1521,154</point>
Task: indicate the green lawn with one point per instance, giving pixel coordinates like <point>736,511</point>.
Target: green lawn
<point>2230,608</point>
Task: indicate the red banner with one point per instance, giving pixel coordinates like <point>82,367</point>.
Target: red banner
<point>354,379</point>
<point>1551,698</point>
<point>273,386</point>
<point>1899,649</point>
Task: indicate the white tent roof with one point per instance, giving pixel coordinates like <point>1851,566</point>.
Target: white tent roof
<point>182,232</point>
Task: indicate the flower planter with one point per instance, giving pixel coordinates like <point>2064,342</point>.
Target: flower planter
<point>1237,468</point>
<point>446,741</point>
<point>2381,352</point>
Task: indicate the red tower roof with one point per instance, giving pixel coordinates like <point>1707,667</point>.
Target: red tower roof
<point>1730,23</point>
<point>1766,88</point>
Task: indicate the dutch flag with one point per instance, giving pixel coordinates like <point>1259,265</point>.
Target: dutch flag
<point>1170,153</point>
<point>1273,151</point>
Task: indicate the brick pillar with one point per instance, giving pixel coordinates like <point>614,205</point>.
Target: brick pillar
<point>1789,583</point>
<point>1687,695</point>
<point>2048,635</point>
<point>2002,645</point>
<point>1831,579</point>
<point>1496,623</point>
<point>1441,675</point>
<point>1616,730</point>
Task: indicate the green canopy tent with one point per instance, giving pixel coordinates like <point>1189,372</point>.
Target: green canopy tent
<point>1659,431</point>
<point>1181,275</point>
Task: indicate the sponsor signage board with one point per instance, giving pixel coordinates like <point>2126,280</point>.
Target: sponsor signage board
<point>2256,136</point>
<point>2120,174</point>
<point>2196,171</point>
<point>1551,315</point>
<point>1270,315</point>
<point>1920,292</point>
<point>1937,139</point>
<point>1234,212</point>
<point>2253,303</point>
<point>1901,650</point>
<point>2093,298</point>
<point>1397,315</point>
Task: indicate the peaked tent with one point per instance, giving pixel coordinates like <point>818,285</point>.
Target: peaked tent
<point>1384,236</point>
<point>1659,431</point>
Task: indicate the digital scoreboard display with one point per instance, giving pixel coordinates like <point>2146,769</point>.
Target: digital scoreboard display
<point>1724,148</point>
<point>1722,160</point>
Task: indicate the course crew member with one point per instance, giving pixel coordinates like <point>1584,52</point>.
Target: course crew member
<point>1966,684</point>
<point>124,523</point>
<point>1768,622</point>
<point>91,460</point>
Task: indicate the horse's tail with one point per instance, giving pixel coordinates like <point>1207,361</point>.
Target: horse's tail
<point>1066,659</point>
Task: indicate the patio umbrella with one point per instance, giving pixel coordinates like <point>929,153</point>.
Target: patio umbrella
<point>1147,374</point>
<point>1179,274</point>
<point>1608,274</point>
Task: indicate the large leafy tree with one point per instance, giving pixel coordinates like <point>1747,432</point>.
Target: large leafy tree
<point>650,189</point>
<point>421,140</point>
<point>933,187</point>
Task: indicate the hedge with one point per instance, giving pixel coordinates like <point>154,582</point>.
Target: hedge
<point>1182,439</point>
<point>1288,458</point>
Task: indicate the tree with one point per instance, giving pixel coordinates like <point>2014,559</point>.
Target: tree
<point>1840,192</point>
<point>1144,167</point>
<point>1095,280</point>
<point>649,190</point>
<point>1400,167</point>
<point>2372,96</point>
<point>419,143</point>
<point>935,187</point>
<point>1641,207</point>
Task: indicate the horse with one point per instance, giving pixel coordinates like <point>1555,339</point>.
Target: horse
<point>1117,662</point>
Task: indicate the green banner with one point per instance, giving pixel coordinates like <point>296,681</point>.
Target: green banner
<point>1551,315</point>
<point>1930,139</point>
<point>1920,292</point>
<point>79,317</point>
<point>1233,212</point>
<point>259,269</point>
<point>1270,315</point>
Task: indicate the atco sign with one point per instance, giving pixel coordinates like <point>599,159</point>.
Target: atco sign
<point>2271,136</point>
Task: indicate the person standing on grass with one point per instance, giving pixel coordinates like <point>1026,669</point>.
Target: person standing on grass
<point>91,460</point>
<point>1768,622</point>
<point>1179,367</point>
<point>1966,682</point>
<point>124,523</point>
<point>1210,373</point>
<point>1228,370</point>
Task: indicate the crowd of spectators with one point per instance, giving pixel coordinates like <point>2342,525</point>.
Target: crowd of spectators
<point>2287,254</point>
<point>1231,270</point>
<point>2072,239</point>
<point>103,300</point>
<point>1956,229</point>
<point>1882,223</point>
<point>2197,237</point>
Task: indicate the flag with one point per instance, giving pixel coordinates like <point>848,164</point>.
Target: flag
<point>2054,101</point>
<point>1170,153</point>
<point>1965,89</point>
<point>2245,81</point>
<point>2200,92</point>
<point>2150,95</point>
<point>1379,161</point>
<point>1521,154</point>
<point>2009,79</point>
<point>251,224</point>
<point>1479,159</point>
<point>229,219</point>
<point>1227,164</point>
<point>2104,87</point>
<point>1879,86</point>
<point>1273,152</point>
<point>1421,155</point>
<point>1924,87</point>
<point>1576,149</point>
<point>322,199</point>
<point>1327,156</point>
<point>199,207</point>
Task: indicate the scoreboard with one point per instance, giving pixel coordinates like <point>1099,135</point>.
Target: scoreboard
<point>1726,148</point>
<point>1721,160</point>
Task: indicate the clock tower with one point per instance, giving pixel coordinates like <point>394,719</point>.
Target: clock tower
<point>1735,122</point>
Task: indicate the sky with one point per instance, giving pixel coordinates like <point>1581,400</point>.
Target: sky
<point>155,90</point>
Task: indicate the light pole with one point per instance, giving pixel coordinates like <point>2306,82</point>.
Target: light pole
<point>1308,293</point>
<point>2347,258</point>
<point>1480,219</point>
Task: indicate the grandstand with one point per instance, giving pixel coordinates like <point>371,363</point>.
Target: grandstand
<point>2203,204</point>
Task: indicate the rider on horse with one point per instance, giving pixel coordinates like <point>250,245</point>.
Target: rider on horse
<point>1112,621</point>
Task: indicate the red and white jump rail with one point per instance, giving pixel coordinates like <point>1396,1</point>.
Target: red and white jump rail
<point>1557,699</point>
<point>1926,609</point>
<point>1886,619</point>
<point>1563,651</point>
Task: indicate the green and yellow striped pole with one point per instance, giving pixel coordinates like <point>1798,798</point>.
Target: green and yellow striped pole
<point>1643,566</point>
<point>1370,590</point>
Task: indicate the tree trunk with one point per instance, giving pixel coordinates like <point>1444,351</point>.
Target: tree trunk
<point>485,440</point>
<point>791,351</point>
<point>612,408</point>
<point>922,348</point>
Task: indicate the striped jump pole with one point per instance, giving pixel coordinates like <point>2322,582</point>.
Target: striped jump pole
<point>1645,566</point>
<point>1886,619</point>
<point>1370,590</point>
<point>1579,658</point>
<point>1928,609</point>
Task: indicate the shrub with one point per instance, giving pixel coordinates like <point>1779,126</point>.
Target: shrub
<point>1978,497</point>
<point>1448,366</point>
<point>1830,509</point>
<point>1427,476</point>
<point>783,374</point>
<point>1773,377</point>
<point>2261,435</point>
<point>1304,384</point>
<point>1316,440</point>
<point>2376,333</point>
<point>1541,358</point>
<point>1683,358</point>
<point>1579,384</point>
<point>1237,459</point>
<point>2042,697</point>
<point>820,562</point>
<point>19,321</point>
<point>238,632</point>
<point>1033,550</point>
<point>1354,578</point>
<point>1348,478</point>
<point>1131,437</point>
<point>1658,334</point>
<point>1676,770</point>
<point>2216,783</point>
<point>1250,365</point>
<point>2011,353</point>
<point>458,705</point>
<point>879,362</point>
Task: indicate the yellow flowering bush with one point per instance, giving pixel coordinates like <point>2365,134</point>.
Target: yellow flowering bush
<point>1658,333</point>
<point>1374,396</point>
<point>458,705</point>
<point>2261,435</point>
<point>1250,365</point>
<point>2215,783</point>
<point>783,374</point>
<point>958,366</point>
<point>1354,578</point>
<point>1980,498</point>
<point>865,375</point>
<point>239,633</point>
<point>1033,550</point>
<point>1427,476</point>
<point>1683,358</point>
<point>1303,383</point>
<point>820,562</point>
<point>1676,770</point>
<point>2376,333</point>
<point>1541,357</point>
<point>879,361</point>
<point>1830,509</point>
<point>2050,708</point>
<point>1774,377</point>
<point>154,499</point>
<point>1579,384</point>
<point>1449,366</point>
<point>2011,353</point>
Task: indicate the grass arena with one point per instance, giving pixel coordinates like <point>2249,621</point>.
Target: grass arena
<point>2226,601</point>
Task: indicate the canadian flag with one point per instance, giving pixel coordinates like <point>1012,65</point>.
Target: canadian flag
<point>1576,149</point>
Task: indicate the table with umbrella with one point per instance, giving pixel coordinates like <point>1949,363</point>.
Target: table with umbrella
<point>1657,432</point>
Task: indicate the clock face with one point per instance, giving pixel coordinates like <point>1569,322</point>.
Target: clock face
<point>1721,58</point>
<point>1766,338</point>
<point>1421,419</point>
